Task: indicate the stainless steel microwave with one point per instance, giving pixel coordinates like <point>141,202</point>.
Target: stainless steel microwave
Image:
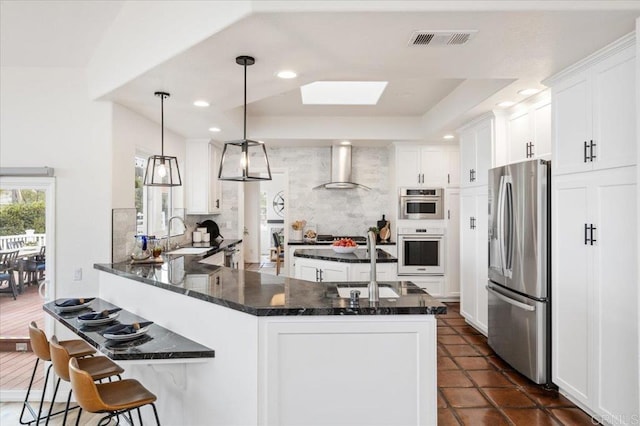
<point>421,203</point>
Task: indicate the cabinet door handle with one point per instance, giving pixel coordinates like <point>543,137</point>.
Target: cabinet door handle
<point>472,175</point>
<point>418,177</point>
<point>217,203</point>
<point>586,234</point>
<point>448,214</point>
<point>591,229</point>
<point>591,154</point>
<point>586,146</point>
<point>448,178</point>
<point>532,145</point>
<point>321,275</point>
<point>423,178</point>
<point>318,276</point>
<point>472,223</point>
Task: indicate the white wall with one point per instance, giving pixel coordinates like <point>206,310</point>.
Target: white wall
<point>47,119</point>
<point>133,132</point>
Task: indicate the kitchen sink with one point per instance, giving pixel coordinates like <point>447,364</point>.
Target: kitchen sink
<point>190,250</point>
<point>386,292</point>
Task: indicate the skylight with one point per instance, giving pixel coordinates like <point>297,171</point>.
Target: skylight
<point>342,92</point>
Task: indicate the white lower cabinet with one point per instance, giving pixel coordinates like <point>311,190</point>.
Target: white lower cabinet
<point>434,285</point>
<point>474,256</point>
<point>362,272</point>
<point>327,271</point>
<point>595,291</point>
<point>321,270</point>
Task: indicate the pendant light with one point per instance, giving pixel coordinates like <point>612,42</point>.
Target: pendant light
<point>162,170</point>
<point>244,160</point>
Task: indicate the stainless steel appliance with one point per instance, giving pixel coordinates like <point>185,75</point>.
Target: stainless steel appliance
<point>421,203</point>
<point>420,251</point>
<point>519,274</point>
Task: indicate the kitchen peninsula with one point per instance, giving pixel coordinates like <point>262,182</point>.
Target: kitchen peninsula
<point>287,351</point>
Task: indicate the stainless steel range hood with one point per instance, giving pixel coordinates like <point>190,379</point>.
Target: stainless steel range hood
<point>341,169</point>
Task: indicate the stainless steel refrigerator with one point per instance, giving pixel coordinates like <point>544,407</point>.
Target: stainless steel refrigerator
<point>519,267</point>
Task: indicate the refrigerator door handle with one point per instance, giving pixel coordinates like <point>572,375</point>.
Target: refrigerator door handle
<point>508,186</point>
<point>499,225</point>
<point>510,301</point>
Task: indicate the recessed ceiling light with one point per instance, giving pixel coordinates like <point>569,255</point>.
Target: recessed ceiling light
<point>214,129</point>
<point>286,74</point>
<point>528,92</point>
<point>342,92</point>
<point>448,136</point>
<point>345,143</point>
<point>201,103</point>
<point>506,104</point>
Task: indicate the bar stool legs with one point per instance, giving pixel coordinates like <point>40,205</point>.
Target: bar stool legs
<point>26,404</point>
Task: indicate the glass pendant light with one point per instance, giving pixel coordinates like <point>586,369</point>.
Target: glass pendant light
<point>162,170</point>
<point>244,160</point>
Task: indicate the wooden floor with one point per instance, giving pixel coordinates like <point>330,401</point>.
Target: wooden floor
<point>15,316</point>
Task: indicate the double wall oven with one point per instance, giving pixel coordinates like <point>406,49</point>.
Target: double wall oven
<point>420,250</point>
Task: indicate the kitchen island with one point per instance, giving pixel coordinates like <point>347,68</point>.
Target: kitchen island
<point>287,351</point>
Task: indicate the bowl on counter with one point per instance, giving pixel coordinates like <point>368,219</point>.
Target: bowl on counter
<point>339,249</point>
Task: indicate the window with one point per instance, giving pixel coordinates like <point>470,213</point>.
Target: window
<point>154,205</point>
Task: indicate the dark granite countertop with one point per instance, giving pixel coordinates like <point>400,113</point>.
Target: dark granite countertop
<point>157,343</point>
<point>358,256</point>
<point>215,247</point>
<point>269,295</point>
<point>328,243</point>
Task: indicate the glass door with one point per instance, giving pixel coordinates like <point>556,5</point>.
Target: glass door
<point>26,228</point>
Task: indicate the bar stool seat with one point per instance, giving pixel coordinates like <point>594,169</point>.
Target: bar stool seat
<point>124,395</point>
<point>97,367</point>
<point>114,398</point>
<point>40,345</point>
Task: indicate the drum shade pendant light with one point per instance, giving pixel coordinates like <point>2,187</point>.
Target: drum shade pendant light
<point>244,160</point>
<point>162,170</point>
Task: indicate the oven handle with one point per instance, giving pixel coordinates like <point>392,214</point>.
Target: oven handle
<point>420,236</point>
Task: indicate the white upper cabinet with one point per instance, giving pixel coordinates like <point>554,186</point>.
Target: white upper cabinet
<point>594,112</point>
<point>529,132</point>
<point>203,189</point>
<point>429,166</point>
<point>476,144</point>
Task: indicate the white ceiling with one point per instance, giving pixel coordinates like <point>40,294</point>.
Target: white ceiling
<point>441,86</point>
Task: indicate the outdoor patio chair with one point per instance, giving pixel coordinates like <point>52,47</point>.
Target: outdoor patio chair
<point>11,245</point>
<point>8,263</point>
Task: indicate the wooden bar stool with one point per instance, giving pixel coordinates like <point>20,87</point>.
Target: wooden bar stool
<point>40,345</point>
<point>114,398</point>
<point>99,367</point>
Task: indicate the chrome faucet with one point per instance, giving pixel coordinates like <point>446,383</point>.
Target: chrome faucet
<point>168,245</point>
<point>374,294</point>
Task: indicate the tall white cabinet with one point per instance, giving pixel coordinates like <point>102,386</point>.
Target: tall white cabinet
<point>203,189</point>
<point>476,147</point>
<point>594,235</point>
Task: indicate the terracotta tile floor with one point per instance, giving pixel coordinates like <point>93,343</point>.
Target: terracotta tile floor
<point>475,387</point>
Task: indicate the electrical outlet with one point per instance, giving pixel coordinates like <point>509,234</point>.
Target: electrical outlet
<point>77,274</point>
<point>21,347</point>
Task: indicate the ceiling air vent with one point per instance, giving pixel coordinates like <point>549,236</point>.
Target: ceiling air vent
<point>440,38</point>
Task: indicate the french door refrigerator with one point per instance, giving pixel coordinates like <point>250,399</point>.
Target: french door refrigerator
<point>519,326</point>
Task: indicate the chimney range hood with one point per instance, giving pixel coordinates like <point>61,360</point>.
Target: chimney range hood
<point>341,170</point>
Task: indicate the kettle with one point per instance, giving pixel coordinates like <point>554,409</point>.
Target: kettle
<point>140,248</point>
